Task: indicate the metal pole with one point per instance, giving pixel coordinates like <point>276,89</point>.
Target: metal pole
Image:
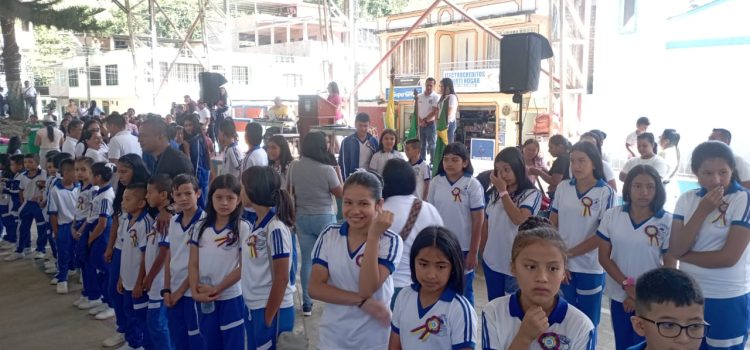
<point>88,72</point>
<point>154,68</point>
<point>202,5</point>
<point>131,33</point>
<point>353,46</point>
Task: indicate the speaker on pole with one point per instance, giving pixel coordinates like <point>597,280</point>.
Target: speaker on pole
<point>210,83</point>
<point>520,61</point>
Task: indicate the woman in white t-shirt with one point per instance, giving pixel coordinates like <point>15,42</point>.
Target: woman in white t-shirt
<point>669,140</point>
<point>399,184</point>
<point>92,146</point>
<point>609,174</point>
<point>48,138</point>
<point>448,93</point>
<point>647,148</point>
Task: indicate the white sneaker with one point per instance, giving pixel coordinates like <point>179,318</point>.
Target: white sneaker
<point>106,314</point>
<point>28,253</point>
<point>114,340</point>
<point>13,257</point>
<point>90,304</point>
<point>80,300</point>
<point>97,309</point>
<point>6,245</point>
<point>127,347</point>
<point>51,270</point>
<point>50,263</point>
<point>62,288</point>
<point>53,281</point>
<point>38,255</point>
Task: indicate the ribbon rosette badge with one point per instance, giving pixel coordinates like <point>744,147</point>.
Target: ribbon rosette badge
<point>549,341</point>
<point>587,203</point>
<point>652,232</point>
<point>432,326</point>
<point>722,217</point>
<point>456,194</point>
<point>251,242</point>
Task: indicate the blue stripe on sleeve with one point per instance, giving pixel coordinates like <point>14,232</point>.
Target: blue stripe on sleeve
<point>485,334</point>
<point>677,217</point>
<point>464,345</point>
<point>477,208</point>
<point>602,236</point>
<point>394,329</point>
<point>467,319</point>
<point>591,345</point>
<point>320,262</point>
<point>741,223</point>
<point>388,264</point>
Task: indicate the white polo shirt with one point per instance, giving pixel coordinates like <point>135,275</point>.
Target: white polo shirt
<point>636,247</point>
<point>450,323</point>
<point>232,161</point>
<point>455,202</point>
<point>655,162</point>
<point>726,282</point>
<point>218,254</point>
<point>69,146</point>
<point>569,327</point>
<point>347,326</point>
<point>151,245</point>
<point>428,216</point>
<point>421,173</point>
<point>501,231</point>
<point>103,150</point>
<point>255,156</point>
<point>29,186</point>
<point>365,152</point>
<point>742,168</point>
<point>578,216</point>
<point>97,155</point>
<point>120,234</point>
<point>124,143</point>
<point>62,202</point>
<point>269,240</point>
<point>427,104</point>
<point>103,202</point>
<point>178,238</point>
<point>378,160</point>
<point>85,202</point>
<point>134,234</point>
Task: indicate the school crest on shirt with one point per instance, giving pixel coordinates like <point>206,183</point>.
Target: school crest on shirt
<point>434,325</point>
<point>721,218</point>
<point>358,259</point>
<point>553,341</point>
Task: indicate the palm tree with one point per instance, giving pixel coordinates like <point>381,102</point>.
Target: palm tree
<point>40,12</point>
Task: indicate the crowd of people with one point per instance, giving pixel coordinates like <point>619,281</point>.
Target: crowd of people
<point>188,255</point>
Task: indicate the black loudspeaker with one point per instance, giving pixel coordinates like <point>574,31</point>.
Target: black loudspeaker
<point>520,61</point>
<point>210,83</point>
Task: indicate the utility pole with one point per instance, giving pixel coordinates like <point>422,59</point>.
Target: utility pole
<point>155,70</point>
<point>86,48</point>
<point>353,47</point>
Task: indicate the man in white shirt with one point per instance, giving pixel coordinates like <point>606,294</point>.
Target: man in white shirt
<point>75,128</point>
<point>122,141</point>
<point>204,115</point>
<point>427,108</point>
<point>29,97</point>
<point>641,126</point>
<point>742,168</point>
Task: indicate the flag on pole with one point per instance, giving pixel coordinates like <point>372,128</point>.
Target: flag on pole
<point>442,137</point>
<point>413,131</point>
<point>390,109</point>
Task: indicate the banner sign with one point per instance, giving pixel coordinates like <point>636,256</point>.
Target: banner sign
<point>475,80</point>
<point>403,93</point>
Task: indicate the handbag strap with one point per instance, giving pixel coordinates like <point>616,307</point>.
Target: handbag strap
<point>412,219</point>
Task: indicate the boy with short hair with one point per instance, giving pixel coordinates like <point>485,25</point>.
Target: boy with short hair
<point>421,168</point>
<point>30,186</point>
<point>53,176</point>
<point>152,265</point>
<point>99,222</point>
<point>62,203</point>
<point>669,311</point>
<point>12,189</point>
<point>134,302</point>
<point>75,129</point>
<point>641,126</point>
<point>255,154</point>
<point>228,143</point>
<point>90,294</point>
<point>357,149</point>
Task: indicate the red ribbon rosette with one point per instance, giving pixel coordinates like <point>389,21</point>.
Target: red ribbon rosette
<point>652,232</point>
<point>549,341</point>
<point>722,217</point>
<point>431,326</point>
<point>456,194</point>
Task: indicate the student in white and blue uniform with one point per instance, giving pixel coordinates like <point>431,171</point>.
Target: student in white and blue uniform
<point>53,175</point>
<point>446,320</point>
<point>634,239</point>
<point>135,303</point>
<point>577,209</point>
<point>30,209</point>
<point>267,247</point>
<point>214,267</point>
<point>62,204</point>
<point>536,317</point>
<point>459,198</point>
<point>9,238</point>
<point>232,155</point>
<point>84,205</point>
<point>182,314</point>
<point>98,227</point>
<point>512,199</point>
<point>710,235</point>
<point>352,267</point>
<point>255,156</point>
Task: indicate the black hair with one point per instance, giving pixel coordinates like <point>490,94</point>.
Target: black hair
<point>66,164</point>
<point>660,197</point>
<point>60,157</point>
<point>253,134</point>
<point>229,182</point>
<point>666,285</point>
<point>50,130</point>
<point>387,132</point>
<point>17,158</point>
<point>726,134</point>
<point>457,149</point>
<point>228,128</point>
<point>368,179</point>
<point>398,178</point>
<point>186,179</point>
<point>315,147</point>
<point>87,135</point>
<point>285,157</point>
<point>263,187</point>
<point>643,121</point>
<point>140,174</point>
<point>602,134</point>
<point>444,240</point>
<point>88,161</point>
<point>594,156</point>
<point>713,149</point>
<point>651,139</point>
<point>117,120</point>
<point>596,137</point>
<point>14,145</point>
<point>34,156</point>
<point>90,121</point>
<point>172,131</point>
<point>50,156</point>
<point>533,222</point>
<point>513,157</point>
<point>429,79</point>
<point>162,182</point>
<point>672,136</point>
<point>5,164</point>
<point>334,87</point>
<point>158,125</point>
<point>193,119</point>
<point>413,143</point>
<point>362,117</point>
<point>105,172</point>
<point>560,140</point>
<point>74,124</point>
<point>447,84</point>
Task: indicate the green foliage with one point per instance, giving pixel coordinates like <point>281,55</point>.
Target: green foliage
<point>52,46</point>
<point>51,13</point>
<point>370,9</point>
<point>181,12</point>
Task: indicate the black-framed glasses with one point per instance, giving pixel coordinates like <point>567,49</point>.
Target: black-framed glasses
<point>670,329</point>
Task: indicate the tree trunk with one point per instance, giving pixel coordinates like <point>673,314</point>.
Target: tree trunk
<point>12,60</point>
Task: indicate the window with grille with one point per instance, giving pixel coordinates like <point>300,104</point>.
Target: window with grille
<point>95,76</point>
<point>240,75</point>
<point>411,57</point>
<point>73,77</point>
<point>111,74</point>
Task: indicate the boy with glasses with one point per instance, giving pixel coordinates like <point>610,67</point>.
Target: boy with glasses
<point>669,311</point>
